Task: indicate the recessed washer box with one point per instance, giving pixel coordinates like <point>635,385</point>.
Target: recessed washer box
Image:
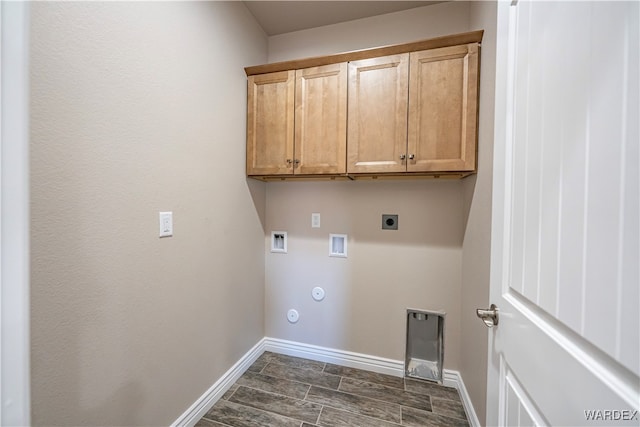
<point>279,241</point>
<point>338,245</point>
<point>389,222</point>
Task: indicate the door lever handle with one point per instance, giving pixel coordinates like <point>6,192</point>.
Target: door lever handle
<point>489,316</point>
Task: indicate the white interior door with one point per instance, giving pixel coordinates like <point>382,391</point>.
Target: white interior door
<point>14,214</point>
<point>566,220</point>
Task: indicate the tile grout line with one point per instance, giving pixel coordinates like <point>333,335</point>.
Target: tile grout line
<point>260,410</point>
<point>232,393</point>
<point>374,383</point>
<point>307,393</point>
<point>270,392</point>
<point>437,413</point>
<point>390,389</point>
<point>364,415</point>
<point>217,422</point>
<point>299,381</point>
<point>444,398</point>
<point>360,397</point>
<point>319,414</point>
<point>450,416</point>
<point>263,368</point>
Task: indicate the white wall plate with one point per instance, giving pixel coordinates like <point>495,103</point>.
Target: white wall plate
<point>315,220</point>
<point>338,245</point>
<point>279,241</point>
<point>166,224</point>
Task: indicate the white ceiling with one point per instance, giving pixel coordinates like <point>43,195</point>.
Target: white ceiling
<point>279,17</point>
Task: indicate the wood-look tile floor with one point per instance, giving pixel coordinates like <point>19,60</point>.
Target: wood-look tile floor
<point>280,390</point>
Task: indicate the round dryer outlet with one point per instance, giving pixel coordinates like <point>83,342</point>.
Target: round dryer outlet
<point>292,316</point>
<point>317,293</point>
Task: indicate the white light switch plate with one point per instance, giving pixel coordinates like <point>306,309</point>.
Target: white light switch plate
<point>166,224</point>
<point>315,220</point>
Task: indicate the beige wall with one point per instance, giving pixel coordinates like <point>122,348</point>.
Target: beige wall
<point>477,237</point>
<point>367,294</point>
<point>418,266</point>
<point>392,28</point>
<point>136,108</point>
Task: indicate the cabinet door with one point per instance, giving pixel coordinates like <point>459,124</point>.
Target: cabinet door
<point>377,114</point>
<point>270,115</point>
<point>443,102</point>
<point>321,120</point>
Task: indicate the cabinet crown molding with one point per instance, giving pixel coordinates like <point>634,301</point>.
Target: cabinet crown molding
<point>445,41</point>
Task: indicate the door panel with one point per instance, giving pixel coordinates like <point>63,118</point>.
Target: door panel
<point>443,93</point>
<point>270,119</point>
<point>377,114</point>
<point>519,410</point>
<point>565,228</point>
<point>321,120</point>
<point>15,343</point>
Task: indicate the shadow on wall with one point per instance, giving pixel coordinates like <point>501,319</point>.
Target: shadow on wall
<point>431,212</point>
<point>258,193</point>
<point>469,189</point>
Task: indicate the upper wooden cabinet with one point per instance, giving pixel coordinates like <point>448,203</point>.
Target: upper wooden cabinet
<point>437,133</point>
<point>399,110</point>
<point>321,120</point>
<point>312,144</point>
<point>377,114</point>
<point>443,102</point>
<point>270,100</point>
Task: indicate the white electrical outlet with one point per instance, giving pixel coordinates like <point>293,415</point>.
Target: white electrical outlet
<point>166,224</point>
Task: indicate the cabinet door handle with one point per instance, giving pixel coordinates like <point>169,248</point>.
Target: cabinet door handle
<point>412,156</point>
<point>289,161</point>
<point>403,156</point>
<point>296,162</point>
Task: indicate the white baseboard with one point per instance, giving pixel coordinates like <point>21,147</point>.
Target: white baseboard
<point>192,415</point>
<point>337,357</point>
<point>454,379</point>
<point>322,354</point>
